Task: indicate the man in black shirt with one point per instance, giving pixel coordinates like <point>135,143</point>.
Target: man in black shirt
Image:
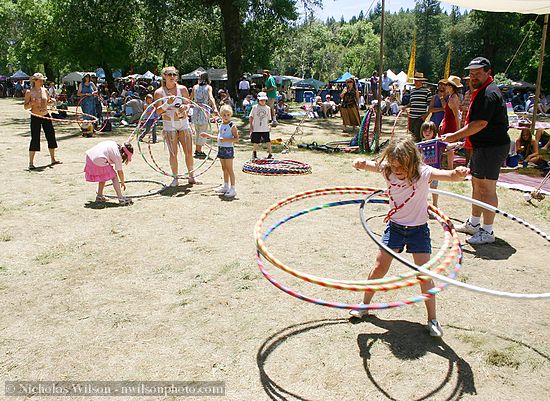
<point>487,127</point>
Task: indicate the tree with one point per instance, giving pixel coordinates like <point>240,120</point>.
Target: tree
<point>428,33</point>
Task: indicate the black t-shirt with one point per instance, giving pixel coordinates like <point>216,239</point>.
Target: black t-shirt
<point>489,106</point>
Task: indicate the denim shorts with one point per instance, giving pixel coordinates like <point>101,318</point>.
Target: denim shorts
<point>416,238</point>
<point>226,152</point>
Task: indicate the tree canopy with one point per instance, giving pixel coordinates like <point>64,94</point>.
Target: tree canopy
<point>56,36</point>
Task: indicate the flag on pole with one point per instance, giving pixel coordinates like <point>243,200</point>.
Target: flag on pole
<point>448,65</point>
<point>412,61</point>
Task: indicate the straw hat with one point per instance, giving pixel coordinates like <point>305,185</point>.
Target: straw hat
<point>453,80</point>
<point>38,76</point>
<point>418,76</point>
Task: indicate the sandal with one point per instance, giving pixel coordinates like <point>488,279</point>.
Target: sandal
<point>31,167</point>
<point>100,198</point>
<point>192,181</point>
<point>125,202</point>
<point>56,162</point>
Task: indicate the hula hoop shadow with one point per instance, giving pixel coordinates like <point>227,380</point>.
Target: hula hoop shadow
<point>143,195</point>
<point>273,390</point>
<point>409,341</point>
<point>399,336</point>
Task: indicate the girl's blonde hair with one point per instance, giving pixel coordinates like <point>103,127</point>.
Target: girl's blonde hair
<point>171,67</point>
<point>226,108</point>
<point>405,152</point>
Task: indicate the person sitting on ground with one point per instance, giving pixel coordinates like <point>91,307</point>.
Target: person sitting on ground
<point>282,111</point>
<point>329,107</point>
<point>394,106</point>
<point>527,148</point>
<point>318,107</point>
<point>133,109</point>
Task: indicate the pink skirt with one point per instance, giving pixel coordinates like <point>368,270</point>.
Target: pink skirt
<point>95,173</point>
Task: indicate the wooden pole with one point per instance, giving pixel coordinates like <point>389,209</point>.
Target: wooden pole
<point>539,75</point>
<point>378,124</point>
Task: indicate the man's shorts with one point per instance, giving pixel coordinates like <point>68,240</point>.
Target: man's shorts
<point>485,163</point>
<point>271,102</point>
<point>226,152</point>
<point>259,137</point>
<point>416,238</point>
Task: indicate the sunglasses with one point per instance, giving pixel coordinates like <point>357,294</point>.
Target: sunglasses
<point>171,74</point>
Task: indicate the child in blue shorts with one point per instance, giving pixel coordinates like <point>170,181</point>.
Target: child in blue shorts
<point>227,136</point>
<point>407,180</point>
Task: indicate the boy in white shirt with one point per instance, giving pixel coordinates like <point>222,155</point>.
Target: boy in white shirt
<point>259,125</point>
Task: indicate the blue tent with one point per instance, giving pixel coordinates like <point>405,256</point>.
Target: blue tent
<point>19,75</point>
<point>342,78</point>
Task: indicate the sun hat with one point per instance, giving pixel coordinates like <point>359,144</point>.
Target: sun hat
<point>38,75</point>
<point>262,96</point>
<point>454,81</point>
<point>419,76</point>
<point>478,62</point>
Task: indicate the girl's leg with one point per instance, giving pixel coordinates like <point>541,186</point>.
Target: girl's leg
<point>425,285</point>
<point>101,187</point>
<point>116,186</point>
<point>230,172</point>
<point>380,269</point>
<point>225,172</point>
<point>269,147</point>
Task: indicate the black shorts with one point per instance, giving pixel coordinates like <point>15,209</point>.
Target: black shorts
<point>485,163</point>
<point>259,137</point>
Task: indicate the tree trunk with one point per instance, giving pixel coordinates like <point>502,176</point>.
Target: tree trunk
<point>50,74</point>
<point>109,77</point>
<point>233,46</point>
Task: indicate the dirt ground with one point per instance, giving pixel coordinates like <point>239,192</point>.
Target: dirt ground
<point>168,289</point>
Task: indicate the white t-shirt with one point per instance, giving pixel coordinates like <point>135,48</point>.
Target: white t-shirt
<point>260,118</point>
<point>244,85</point>
<point>415,211</point>
<point>105,153</point>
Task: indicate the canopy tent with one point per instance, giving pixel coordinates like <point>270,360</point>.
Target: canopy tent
<point>310,82</point>
<point>342,78</point>
<point>509,6</point>
<point>391,75</point>
<point>217,74</point>
<point>76,76</point>
<point>193,75</point>
<point>19,75</point>
<point>149,76</point>
<point>282,79</point>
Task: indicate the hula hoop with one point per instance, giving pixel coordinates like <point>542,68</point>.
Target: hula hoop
<point>164,188</point>
<point>339,305</point>
<point>383,284</point>
<point>61,120</point>
<point>276,167</point>
<point>452,281</point>
<point>141,126</point>
<point>395,123</point>
<point>103,102</point>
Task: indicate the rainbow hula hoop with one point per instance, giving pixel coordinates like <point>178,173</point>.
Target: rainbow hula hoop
<point>276,167</point>
<point>449,280</point>
<point>431,293</point>
<point>103,102</point>
<point>383,284</point>
<point>61,120</point>
<point>141,126</point>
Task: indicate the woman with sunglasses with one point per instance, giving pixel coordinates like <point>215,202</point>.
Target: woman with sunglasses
<point>176,128</point>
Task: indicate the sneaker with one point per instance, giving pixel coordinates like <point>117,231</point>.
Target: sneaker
<point>100,198</point>
<point>231,193</point>
<point>274,123</point>
<point>467,228</point>
<point>435,328</point>
<point>270,156</point>
<point>222,189</point>
<point>359,313</point>
<point>174,183</point>
<point>481,237</point>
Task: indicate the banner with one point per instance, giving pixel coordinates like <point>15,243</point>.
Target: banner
<point>412,61</point>
<point>448,65</point>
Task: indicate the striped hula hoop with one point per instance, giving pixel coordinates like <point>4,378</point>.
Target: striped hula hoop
<point>382,284</point>
<point>429,294</point>
<point>61,120</point>
<point>448,280</point>
<point>276,167</point>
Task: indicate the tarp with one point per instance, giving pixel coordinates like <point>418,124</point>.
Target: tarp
<point>310,82</point>
<point>510,6</point>
<point>193,75</point>
<point>19,75</point>
<point>342,78</point>
<point>149,75</point>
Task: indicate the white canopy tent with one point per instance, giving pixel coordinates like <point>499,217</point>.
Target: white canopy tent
<point>76,76</point>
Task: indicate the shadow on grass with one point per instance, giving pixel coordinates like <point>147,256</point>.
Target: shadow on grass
<point>407,341</point>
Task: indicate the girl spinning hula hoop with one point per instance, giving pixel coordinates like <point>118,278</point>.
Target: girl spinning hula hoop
<point>408,185</point>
